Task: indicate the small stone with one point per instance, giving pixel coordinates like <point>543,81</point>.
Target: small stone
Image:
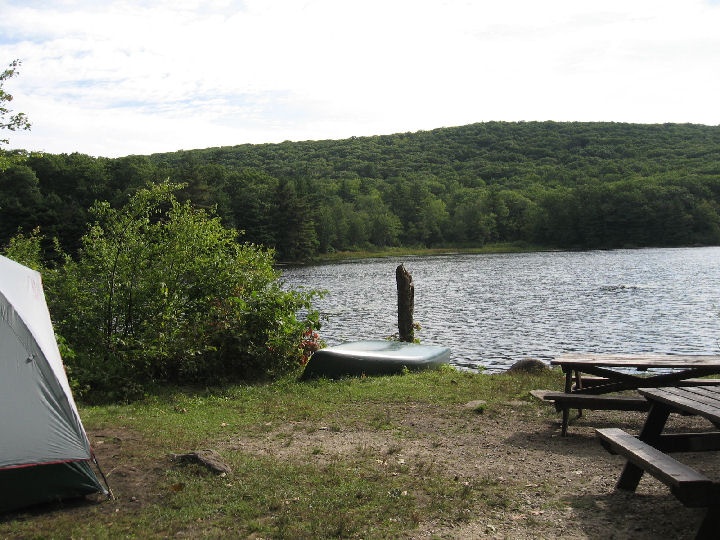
<point>475,404</point>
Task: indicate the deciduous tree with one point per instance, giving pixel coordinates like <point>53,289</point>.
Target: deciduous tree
<point>9,120</point>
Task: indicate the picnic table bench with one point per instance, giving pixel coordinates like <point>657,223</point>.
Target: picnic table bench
<point>613,373</point>
<point>649,451</point>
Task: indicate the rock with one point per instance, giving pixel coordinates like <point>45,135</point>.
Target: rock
<point>208,458</point>
<point>528,365</point>
<point>475,404</point>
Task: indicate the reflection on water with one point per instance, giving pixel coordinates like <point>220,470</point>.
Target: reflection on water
<point>493,310</point>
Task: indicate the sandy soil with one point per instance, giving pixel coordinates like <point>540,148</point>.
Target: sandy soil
<point>556,487</point>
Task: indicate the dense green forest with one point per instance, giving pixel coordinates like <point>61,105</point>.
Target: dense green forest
<point>560,185</point>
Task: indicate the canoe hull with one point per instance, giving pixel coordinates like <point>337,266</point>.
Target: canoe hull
<point>374,357</point>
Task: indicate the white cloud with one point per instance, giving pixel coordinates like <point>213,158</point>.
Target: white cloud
<point>115,78</point>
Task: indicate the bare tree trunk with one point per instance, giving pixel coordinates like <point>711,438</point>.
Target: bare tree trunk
<point>406,304</point>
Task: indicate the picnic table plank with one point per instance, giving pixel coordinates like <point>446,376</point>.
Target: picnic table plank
<point>592,401</point>
<point>699,381</point>
<point>695,400</point>
<point>688,442</point>
<point>641,360</point>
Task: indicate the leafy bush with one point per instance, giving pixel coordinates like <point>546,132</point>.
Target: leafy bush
<point>161,291</point>
<point>26,249</point>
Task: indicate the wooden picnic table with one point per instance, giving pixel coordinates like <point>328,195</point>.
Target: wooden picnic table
<point>612,373</point>
<point>649,451</point>
<point>609,366</point>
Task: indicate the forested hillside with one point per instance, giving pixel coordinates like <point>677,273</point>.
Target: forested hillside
<point>564,185</point>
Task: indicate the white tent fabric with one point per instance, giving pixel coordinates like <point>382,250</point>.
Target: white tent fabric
<point>39,421</point>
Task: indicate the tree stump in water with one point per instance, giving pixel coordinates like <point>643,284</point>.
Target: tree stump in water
<point>406,304</point>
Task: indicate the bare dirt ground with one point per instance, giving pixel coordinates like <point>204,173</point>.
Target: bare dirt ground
<point>551,486</point>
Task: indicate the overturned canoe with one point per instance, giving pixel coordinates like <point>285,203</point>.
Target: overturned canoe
<point>374,357</point>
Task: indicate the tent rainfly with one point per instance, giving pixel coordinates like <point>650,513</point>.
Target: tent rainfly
<point>45,454</point>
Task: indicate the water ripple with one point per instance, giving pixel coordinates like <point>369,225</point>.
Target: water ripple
<point>493,310</point>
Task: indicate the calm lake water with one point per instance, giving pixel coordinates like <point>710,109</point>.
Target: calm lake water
<point>495,309</point>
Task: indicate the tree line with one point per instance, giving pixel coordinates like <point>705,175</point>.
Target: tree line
<point>560,185</point>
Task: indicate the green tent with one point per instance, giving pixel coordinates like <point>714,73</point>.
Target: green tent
<point>45,454</point>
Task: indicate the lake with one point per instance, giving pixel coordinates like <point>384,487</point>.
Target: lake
<point>495,309</point>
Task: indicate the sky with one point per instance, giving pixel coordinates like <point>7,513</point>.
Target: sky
<point>114,78</point>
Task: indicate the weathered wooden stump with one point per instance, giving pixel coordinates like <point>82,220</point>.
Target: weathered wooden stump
<point>406,304</point>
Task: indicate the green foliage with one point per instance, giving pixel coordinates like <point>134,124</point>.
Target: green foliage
<point>8,120</point>
<point>20,199</point>
<point>26,249</point>
<point>162,291</point>
<point>562,185</point>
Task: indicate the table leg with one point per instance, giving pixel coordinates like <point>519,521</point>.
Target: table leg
<point>651,430</point>
<point>566,409</point>
<point>710,525</point>
<point>578,386</point>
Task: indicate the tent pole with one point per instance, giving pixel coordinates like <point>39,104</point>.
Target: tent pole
<point>111,496</point>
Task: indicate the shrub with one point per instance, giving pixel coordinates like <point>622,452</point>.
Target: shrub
<point>26,249</point>
<point>161,291</point>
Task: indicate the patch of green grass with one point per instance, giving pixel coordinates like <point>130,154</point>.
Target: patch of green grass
<point>506,247</point>
<point>315,495</point>
<point>189,417</point>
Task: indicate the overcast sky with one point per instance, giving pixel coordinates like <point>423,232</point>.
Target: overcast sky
<point>136,77</point>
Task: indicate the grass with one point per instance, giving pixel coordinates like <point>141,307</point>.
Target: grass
<point>315,494</point>
<point>507,247</point>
